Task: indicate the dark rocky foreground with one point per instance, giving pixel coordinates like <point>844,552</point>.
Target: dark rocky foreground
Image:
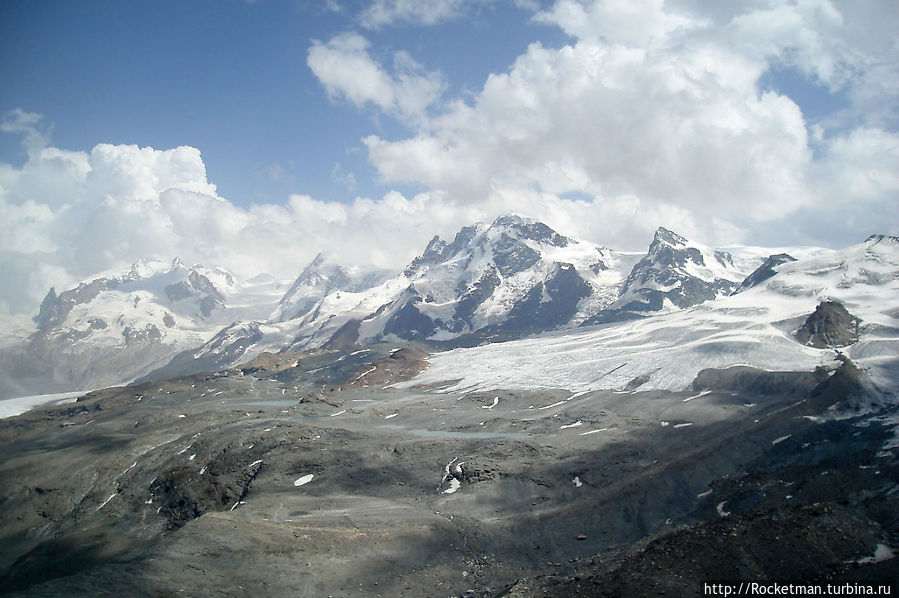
<point>314,480</point>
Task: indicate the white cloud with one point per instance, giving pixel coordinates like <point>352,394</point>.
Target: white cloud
<point>611,121</point>
<point>866,162</point>
<point>659,105</point>
<point>382,13</point>
<point>29,125</point>
<point>348,72</point>
<point>636,23</point>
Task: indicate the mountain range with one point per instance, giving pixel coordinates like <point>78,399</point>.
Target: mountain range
<point>513,278</point>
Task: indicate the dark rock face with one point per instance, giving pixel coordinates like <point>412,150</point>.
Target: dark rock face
<point>54,309</point>
<point>438,250</point>
<point>196,283</point>
<point>177,291</point>
<point>511,256</point>
<point>202,284</point>
<point>831,325</point>
<point>662,275</point>
<point>475,295</point>
<point>183,495</point>
<point>875,239</point>
<point>765,271</point>
<point>409,323</point>
<point>549,305</point>
<point>148,335</point>
<point>345,337</point>
<point>212,297</point>
<point>637,382</point>
<point>49,314</point>
<point>207,304</point>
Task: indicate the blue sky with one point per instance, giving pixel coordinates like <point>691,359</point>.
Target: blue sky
<point>230,78</point>
<point>253,135</point>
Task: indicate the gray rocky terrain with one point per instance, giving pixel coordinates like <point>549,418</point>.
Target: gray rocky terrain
<point>307,474</point>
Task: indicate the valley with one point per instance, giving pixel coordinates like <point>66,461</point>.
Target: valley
<point>245,483</point>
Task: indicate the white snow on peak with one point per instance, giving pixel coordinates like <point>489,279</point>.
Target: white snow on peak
<point>139,319</point>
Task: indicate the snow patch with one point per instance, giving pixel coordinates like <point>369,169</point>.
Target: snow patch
<point>593,431</point>
<point>881,553</point>
<point>111,496</point>
<point>453,487</point>
<point>702,394</point>
<point>302,481</point>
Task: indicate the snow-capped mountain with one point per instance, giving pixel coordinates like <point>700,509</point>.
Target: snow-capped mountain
<point>515,275</point>
<point>319,279</point>
<point>764,326</point>
<point>676,273</point>
<point>114,327</point>
<point>512,278</point>
<point>501,280</point>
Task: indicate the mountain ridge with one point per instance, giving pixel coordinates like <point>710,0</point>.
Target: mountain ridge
<point>508,279</point>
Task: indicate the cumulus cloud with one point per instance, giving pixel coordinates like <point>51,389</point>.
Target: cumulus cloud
<point>661,106</point>
<point>610,120</point>
<point>348,72</point>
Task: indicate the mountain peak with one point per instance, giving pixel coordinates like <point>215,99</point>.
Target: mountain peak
<point>511,220</point>
<point>877,239</point>
<point>663,235</point>
<point>527,229</point>
<point>435,250</point>
<point>677,273</point>
<point>322,272</point>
